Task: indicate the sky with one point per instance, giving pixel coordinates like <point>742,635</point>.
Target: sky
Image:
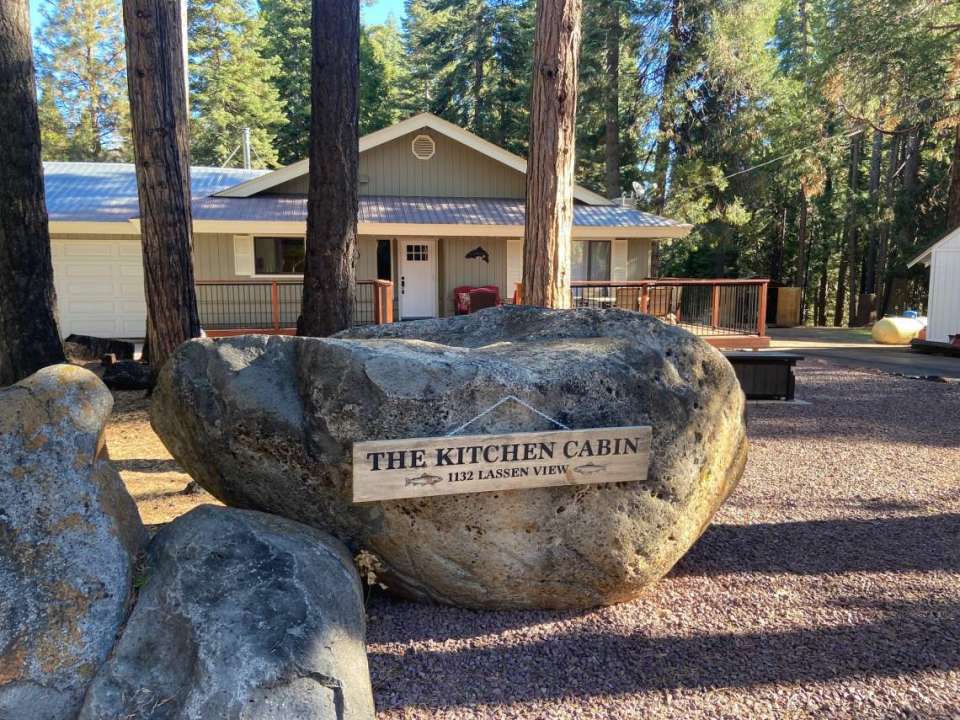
<point>373,13</point>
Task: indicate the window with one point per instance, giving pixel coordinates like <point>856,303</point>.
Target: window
<point>278,255</point>
<point>417,253</point>
<point>383,260</point>
<point>591,260</point>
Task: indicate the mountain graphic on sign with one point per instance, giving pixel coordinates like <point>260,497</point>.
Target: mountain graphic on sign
<point>423,480</point>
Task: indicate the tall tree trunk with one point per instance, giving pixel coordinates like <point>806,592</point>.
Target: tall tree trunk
<point>611,148</point>
<point>29,338</point>
<point>821,318</point>
<point>665,123</point>
<point>328,277</point>
<point>840,302</point>
<point>549,203</point>
<point>953,194</point>
<point>851,229</point>
<point>873,186</point>
<point>775,260</point>
<point>799,279</point>
<point>890,183</point>
<point>479,39</point>
<point>161,150</point>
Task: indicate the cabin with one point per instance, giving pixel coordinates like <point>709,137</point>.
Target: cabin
<point>943,308</point>
<point>440,231</point>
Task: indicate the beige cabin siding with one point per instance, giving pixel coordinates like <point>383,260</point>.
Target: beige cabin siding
<point>455,170</point>
<point>213,257</point>
<point>456,270</point>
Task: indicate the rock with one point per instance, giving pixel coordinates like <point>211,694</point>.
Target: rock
<point>128,375</point>
<point>87,347</point>
<point>69,538</point>
<point>243,616</point>
<point>269,424</point>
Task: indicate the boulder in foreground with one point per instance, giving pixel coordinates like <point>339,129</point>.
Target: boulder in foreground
<point>243,616</point>
<point>69,537</point>
<point>269,424</point>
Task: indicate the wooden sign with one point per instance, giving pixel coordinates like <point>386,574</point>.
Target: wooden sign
<point>422,467</point>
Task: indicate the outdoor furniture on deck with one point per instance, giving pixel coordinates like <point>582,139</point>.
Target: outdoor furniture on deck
<point>765,375</point>
<point>468,299</point>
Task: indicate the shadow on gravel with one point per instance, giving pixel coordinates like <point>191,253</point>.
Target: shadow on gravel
<point>912,638</point>
<point>922,543</point>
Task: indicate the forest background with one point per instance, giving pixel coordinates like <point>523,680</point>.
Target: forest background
<point>815,142</point>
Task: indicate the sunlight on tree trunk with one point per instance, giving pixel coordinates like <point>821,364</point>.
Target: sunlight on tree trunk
<point>331,252</point>
<point>158,111</point>
<point>29,338</point>
<point>550,181</point>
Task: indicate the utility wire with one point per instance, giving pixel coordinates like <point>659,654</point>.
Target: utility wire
<point>821,141</point>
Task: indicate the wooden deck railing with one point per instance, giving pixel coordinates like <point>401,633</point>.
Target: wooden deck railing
<point>726,312</point>
<point>236,307</point>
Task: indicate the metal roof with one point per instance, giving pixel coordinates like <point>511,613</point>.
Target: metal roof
<point>108,192</point>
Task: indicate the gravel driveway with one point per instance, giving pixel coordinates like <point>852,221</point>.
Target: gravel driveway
<point>828,586</point>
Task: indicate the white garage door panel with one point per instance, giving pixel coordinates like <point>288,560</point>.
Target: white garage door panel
<point>99,287</point>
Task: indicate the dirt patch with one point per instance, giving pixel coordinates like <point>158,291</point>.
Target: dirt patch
<point>152,476</point>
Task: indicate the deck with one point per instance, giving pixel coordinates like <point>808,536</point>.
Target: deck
<point>728,314</point>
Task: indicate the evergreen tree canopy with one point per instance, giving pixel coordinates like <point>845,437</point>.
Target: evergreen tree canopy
<point>231,85</point>
<point>81,69</point>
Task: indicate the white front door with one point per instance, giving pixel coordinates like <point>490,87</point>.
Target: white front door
<point>418,279</point>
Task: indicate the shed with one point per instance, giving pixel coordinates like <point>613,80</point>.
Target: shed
<point>943,259</point>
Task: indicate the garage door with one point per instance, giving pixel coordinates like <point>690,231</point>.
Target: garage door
<point>99,287</point>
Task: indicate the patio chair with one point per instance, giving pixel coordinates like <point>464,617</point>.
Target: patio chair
<point>461,299</point>
<point>484,297</point>
<point>628,298</point>
<point>664,302</point>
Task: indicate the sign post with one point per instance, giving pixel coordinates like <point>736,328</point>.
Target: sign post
<point>451,465</point>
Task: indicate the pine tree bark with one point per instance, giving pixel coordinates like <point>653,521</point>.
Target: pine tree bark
<point>549,202</point>
<point>161,151</point>
<point>821,313</point>
<point>873,187</point>
<point>29,338</point>
<point>851,231</point>
<point>665,122</point>
<point>953,194</point>
<point>329,272</point>
<point>611,148</point>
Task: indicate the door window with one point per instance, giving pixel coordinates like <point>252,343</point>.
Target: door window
<point>418,253</point>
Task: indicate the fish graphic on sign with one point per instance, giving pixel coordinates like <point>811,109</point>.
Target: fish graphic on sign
<point>589,469</point>
<point>423,480</point>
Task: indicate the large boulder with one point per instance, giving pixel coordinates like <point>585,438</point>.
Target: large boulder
<point>69,537</point>
<point>269,424</point>
<point>243,616</point>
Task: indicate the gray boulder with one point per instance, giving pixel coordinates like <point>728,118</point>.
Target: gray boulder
<point>269,424</point>
<point>243,616</point>
<point>69,537</point>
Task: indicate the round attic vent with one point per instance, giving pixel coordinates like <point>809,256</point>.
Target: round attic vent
<point>423,147</point>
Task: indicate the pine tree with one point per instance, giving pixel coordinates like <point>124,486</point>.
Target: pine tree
<point>81,66</point>
<point>470,64</point>
<point>231,84</point>
<point>286,32</point>
<point>381,75</point>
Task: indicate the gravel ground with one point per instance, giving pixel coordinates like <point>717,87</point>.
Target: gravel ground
<point>827,587</point>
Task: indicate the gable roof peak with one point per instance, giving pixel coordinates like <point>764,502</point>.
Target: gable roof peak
<point>392,132</point>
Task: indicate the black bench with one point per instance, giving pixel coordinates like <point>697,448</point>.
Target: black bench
<point>765,375</point>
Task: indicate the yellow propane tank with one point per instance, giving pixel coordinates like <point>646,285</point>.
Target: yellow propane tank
<point>896,330</point>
